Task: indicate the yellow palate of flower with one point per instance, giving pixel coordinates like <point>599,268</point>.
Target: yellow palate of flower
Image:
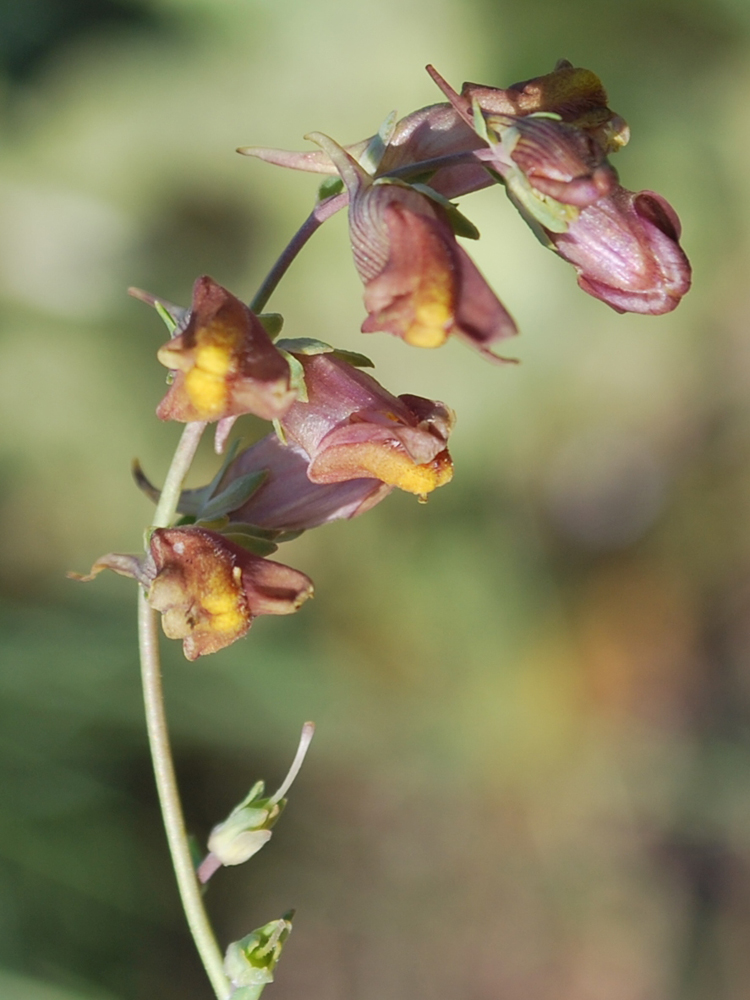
<point>433,313</point>
<point>221,599</point>
<point>394,467</point>
<point>206,382</point>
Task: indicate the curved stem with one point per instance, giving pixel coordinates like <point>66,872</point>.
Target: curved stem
<point>158,735</point>
<point>322,211</point>
<point>169,799</point>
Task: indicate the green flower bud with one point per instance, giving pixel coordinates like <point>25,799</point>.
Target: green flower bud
<point>248,827</point>
<point>250,963</point>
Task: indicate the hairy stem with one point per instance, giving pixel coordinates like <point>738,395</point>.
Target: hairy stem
<point>322,211</point>
<point>158,735</point>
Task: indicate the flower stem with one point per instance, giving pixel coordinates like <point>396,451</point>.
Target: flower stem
<point>158,735</point>
<point>181,462</point>
<point>322,211</point>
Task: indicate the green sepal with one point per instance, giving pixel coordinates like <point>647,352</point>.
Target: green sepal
<point>329,187</point>
<point>250,963</point>
<point>305,345</point>
<point>212,524</point>
<point>353,358</point>
<point>296,377</point>
<point>375,150</point>
<point>258,546</point>
<point>272,323</point>
<point>235,495</point>
<point>480,125</point>
<point>167,318</point>
<point>192,502</point>
<point>279,431</point>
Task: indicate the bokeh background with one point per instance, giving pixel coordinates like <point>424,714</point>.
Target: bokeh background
<point>531,778</point>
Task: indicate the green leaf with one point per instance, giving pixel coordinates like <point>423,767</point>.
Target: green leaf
<point>234,496</point>
<point>258,546</point>
<point>353,358</point>
<point>329,187</point>
<point>272,323</point>
<point>305,345</point>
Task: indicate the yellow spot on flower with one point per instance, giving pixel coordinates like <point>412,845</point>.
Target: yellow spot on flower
<point>433,313</point>
<point>221,598</point>
<point>390,464</point>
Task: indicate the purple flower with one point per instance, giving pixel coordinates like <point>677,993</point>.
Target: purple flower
<point>420,285</point>
<point>350,427</point>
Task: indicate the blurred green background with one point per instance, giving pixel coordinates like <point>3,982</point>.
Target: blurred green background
<point>531,779</point>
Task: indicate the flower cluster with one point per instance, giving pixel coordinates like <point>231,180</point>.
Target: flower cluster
<point>341,441</point>
<point>547,141</point>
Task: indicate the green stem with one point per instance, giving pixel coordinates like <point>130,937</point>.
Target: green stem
<point>181,462</point>
<point>158,735</point>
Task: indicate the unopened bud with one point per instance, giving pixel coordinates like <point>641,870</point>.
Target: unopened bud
<point>248,826</point>
<point>250,963</point>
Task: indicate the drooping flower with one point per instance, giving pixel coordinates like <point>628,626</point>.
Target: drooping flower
<point>626,250</point>
<point>350,427</point>
<point>420,285</point>
<point>208,589</point>
<point>224,362</point>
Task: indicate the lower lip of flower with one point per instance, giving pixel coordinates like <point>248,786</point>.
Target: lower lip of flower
<point>391,465</point>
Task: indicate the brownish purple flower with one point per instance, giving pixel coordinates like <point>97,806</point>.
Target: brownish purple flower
<point>207,589</point>
<point>552,159</point>
<point>350,427</point>
<point>224,362</point>
<point>626,250</point>
<point>420,285</point>
<point>287,499</point>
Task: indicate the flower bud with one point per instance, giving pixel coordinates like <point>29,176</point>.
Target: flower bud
<point>224,362</point>
<point>246,829</point>
<point>250,963</point>
<point>626,251</point>
<point>248,826</point>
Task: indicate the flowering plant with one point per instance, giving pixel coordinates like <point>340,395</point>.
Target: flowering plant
<point>340,441</point>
